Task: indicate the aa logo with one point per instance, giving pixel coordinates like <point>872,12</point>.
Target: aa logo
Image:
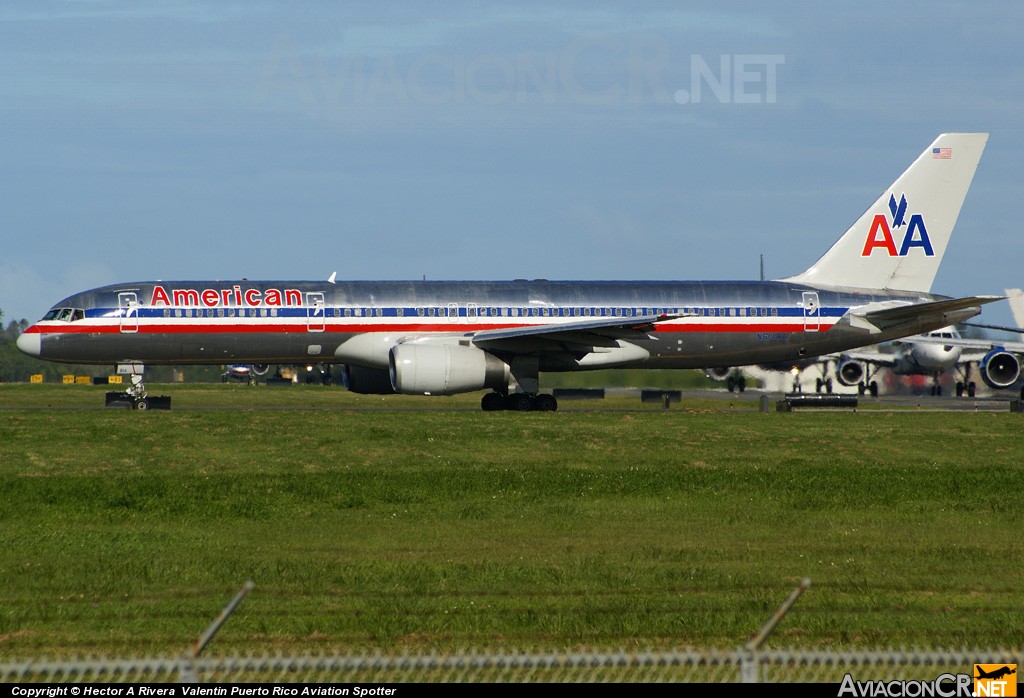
<point>880,235</point>
<point>995,680</point>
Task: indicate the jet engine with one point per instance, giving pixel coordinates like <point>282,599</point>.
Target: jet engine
<point>260,369</point>
<point>999,368</point>
<point>445,369</point>
<point>366,381</point>
<point>849,372</point>
<point>719,373</point>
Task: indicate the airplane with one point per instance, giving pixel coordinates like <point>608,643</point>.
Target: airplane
<point>931,354</point>
<point>995,673</point>
<point>244,373</point>
<point>446,337</point>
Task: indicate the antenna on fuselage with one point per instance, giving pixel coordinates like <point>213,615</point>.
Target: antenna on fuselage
<point>762,267</point>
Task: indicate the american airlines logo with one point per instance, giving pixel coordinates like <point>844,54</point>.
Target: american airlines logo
<point>880,235</point>
<point>234,296</point>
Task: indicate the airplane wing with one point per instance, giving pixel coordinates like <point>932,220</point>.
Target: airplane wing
<point>1001,328</point>
<point>869,356</point>
<point>876,317</point>
<point>972,349</point>
<point>572,337</point>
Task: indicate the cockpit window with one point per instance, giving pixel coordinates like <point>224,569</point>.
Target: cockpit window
<point>65,314</point>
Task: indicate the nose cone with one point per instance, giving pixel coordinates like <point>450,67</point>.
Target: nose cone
<point>30,343</point>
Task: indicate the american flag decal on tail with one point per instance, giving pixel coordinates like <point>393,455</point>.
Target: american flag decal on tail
<point>942,153</point>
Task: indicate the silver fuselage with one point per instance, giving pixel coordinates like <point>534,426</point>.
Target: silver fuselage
<point>216,322</point>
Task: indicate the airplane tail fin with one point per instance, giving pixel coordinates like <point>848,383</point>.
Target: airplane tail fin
<point>898,243</point>
<point>1016,298</point>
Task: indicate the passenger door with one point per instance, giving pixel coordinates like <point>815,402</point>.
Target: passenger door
<point>315,315</point>
<point>128,302</point>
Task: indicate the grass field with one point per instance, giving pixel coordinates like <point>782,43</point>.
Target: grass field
<point>365,529</point>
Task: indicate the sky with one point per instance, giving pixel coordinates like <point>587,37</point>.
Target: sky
<point>403,140</point>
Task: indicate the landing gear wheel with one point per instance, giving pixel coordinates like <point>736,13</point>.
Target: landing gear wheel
<point>861,388</point>
<point>492,402</point>
<point>828,386</point>
<point>959,389</point>
<point>818,383</point>
<point>730,384</point>
<point>873,388</point>
<point>971,389</point>
<point>545,403</point>
<point>141,404</point>
<point>519,402</point>
<point>741,383</point>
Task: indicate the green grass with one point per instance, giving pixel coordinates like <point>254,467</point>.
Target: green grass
<point>125,532</point>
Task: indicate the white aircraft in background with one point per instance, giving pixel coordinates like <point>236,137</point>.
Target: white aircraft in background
<point>996,362</point>
<point>919,355</point>
<point>931,354</point>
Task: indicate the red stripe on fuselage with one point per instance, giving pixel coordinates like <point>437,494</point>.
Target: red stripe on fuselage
<point>351,328</point>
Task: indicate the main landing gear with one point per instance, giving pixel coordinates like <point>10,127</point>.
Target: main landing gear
<point>966,385</point>
<point>519,402</point>
<point>526,372</point>
<point>868,387</point>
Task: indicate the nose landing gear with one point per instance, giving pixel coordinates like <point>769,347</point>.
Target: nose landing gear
<point>136,397</point>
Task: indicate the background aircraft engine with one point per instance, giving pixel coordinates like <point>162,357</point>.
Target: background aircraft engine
<point>367,381</point>
<point>260,369</point>
<point>445,369</point>
<point>999,368</point>
<point>719,373</point>
<point>849,372</point>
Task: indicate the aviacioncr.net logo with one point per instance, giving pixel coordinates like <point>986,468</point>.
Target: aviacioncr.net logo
<point>995,680</point>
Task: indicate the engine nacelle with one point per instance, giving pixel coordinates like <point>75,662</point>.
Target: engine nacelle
<point>999,368</point>
<point>260,369</point>
<point>719,373</point>
<point>367,381</point>
<point>849,372</point>
<point>445,369</point>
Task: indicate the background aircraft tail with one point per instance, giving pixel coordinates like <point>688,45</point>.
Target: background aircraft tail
<point>898,243</point>
<point>1016,298</point>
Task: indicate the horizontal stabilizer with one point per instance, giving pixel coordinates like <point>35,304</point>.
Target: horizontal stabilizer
<point>878,317</point>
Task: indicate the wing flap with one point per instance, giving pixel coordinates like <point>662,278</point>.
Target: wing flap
<point>586,333</point>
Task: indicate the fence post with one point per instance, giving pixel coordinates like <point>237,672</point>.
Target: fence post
<point>187,673</point>
<point>748,658</point>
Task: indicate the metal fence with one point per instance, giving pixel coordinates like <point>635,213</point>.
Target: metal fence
<point>711,666</point>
